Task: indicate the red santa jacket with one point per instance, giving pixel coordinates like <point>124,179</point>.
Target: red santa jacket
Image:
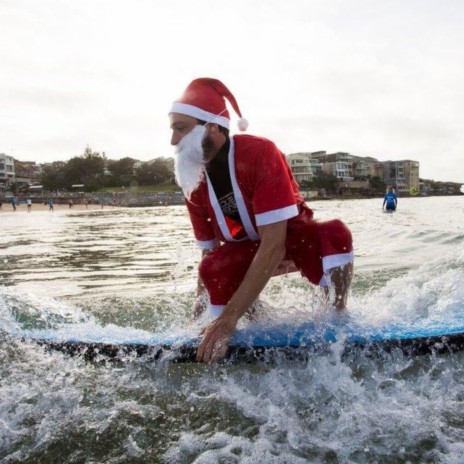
<point>264,188</point>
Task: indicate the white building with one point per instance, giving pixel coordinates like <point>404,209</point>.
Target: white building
<point>7,170</point>
<point>303,166</point>
<point>402,175</point>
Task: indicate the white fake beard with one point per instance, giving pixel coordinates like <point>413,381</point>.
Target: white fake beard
<point>189,162</point>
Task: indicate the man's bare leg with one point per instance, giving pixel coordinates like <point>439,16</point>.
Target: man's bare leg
<point>340,280</point>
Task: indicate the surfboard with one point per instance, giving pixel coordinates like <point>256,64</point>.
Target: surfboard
<point>265,343</point>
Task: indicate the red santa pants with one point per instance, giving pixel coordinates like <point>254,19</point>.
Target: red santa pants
<point>314,246</point>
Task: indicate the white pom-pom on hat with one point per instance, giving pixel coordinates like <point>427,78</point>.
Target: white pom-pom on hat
<point>242,124</point>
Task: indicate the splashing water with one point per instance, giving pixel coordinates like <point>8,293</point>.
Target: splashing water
<point>126,274</point>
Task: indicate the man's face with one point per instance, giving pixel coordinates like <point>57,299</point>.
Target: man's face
<point>188,136</point>
<point>181,125</point>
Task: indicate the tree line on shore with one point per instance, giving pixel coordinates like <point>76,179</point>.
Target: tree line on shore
<point>95,172</point>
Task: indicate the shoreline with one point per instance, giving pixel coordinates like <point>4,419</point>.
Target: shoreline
<point>38,207</point>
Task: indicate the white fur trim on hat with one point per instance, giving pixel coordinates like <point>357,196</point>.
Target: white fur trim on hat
<point>198,113</point>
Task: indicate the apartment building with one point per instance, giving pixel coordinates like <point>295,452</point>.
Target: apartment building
<point>366,166</point>
<point>303,166</point>
<point>7,170</point>
<point>402,175</point>
<point>27,172</point>
<point>351,170</point>
<point>338,164</point>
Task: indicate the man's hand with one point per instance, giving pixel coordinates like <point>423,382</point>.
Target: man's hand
<point>215,340</point>
<point>270,254</point>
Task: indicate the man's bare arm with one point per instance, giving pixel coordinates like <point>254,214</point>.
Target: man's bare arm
<point>270,254</point>
<point>285,267</point>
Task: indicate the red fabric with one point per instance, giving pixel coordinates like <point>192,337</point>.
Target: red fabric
<point>267,185</point>
<point>264,178</point>
<point>208,94</point>
<point>223,270</point>
<point>308,241</point>
<point>200,212</point>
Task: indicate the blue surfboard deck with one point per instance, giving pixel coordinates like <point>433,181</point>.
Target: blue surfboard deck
<point>258,342</point>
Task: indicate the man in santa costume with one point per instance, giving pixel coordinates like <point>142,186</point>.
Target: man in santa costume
<point>247,214</point>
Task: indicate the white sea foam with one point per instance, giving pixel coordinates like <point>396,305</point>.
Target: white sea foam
<point>126,275</point>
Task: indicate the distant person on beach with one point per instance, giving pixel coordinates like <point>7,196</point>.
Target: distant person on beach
<point>13,202</point>
<point>50,205</point>
<point>71,204</point>
<point>390,200</point>
<point>248,215</point>
<point>29,205</point>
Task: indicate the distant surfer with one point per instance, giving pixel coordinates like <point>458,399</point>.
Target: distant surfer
<point>248,215</point>
<point>390,200</point>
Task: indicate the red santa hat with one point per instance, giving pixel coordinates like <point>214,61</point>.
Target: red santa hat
<point>204,99</point>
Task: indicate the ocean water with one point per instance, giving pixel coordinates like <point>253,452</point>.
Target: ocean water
<point>120,274</point>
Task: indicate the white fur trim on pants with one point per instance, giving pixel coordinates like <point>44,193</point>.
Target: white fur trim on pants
<point>215,310</point>
<point>332,261</point>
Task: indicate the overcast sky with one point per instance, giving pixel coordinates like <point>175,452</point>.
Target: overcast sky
<point>382,78</point>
